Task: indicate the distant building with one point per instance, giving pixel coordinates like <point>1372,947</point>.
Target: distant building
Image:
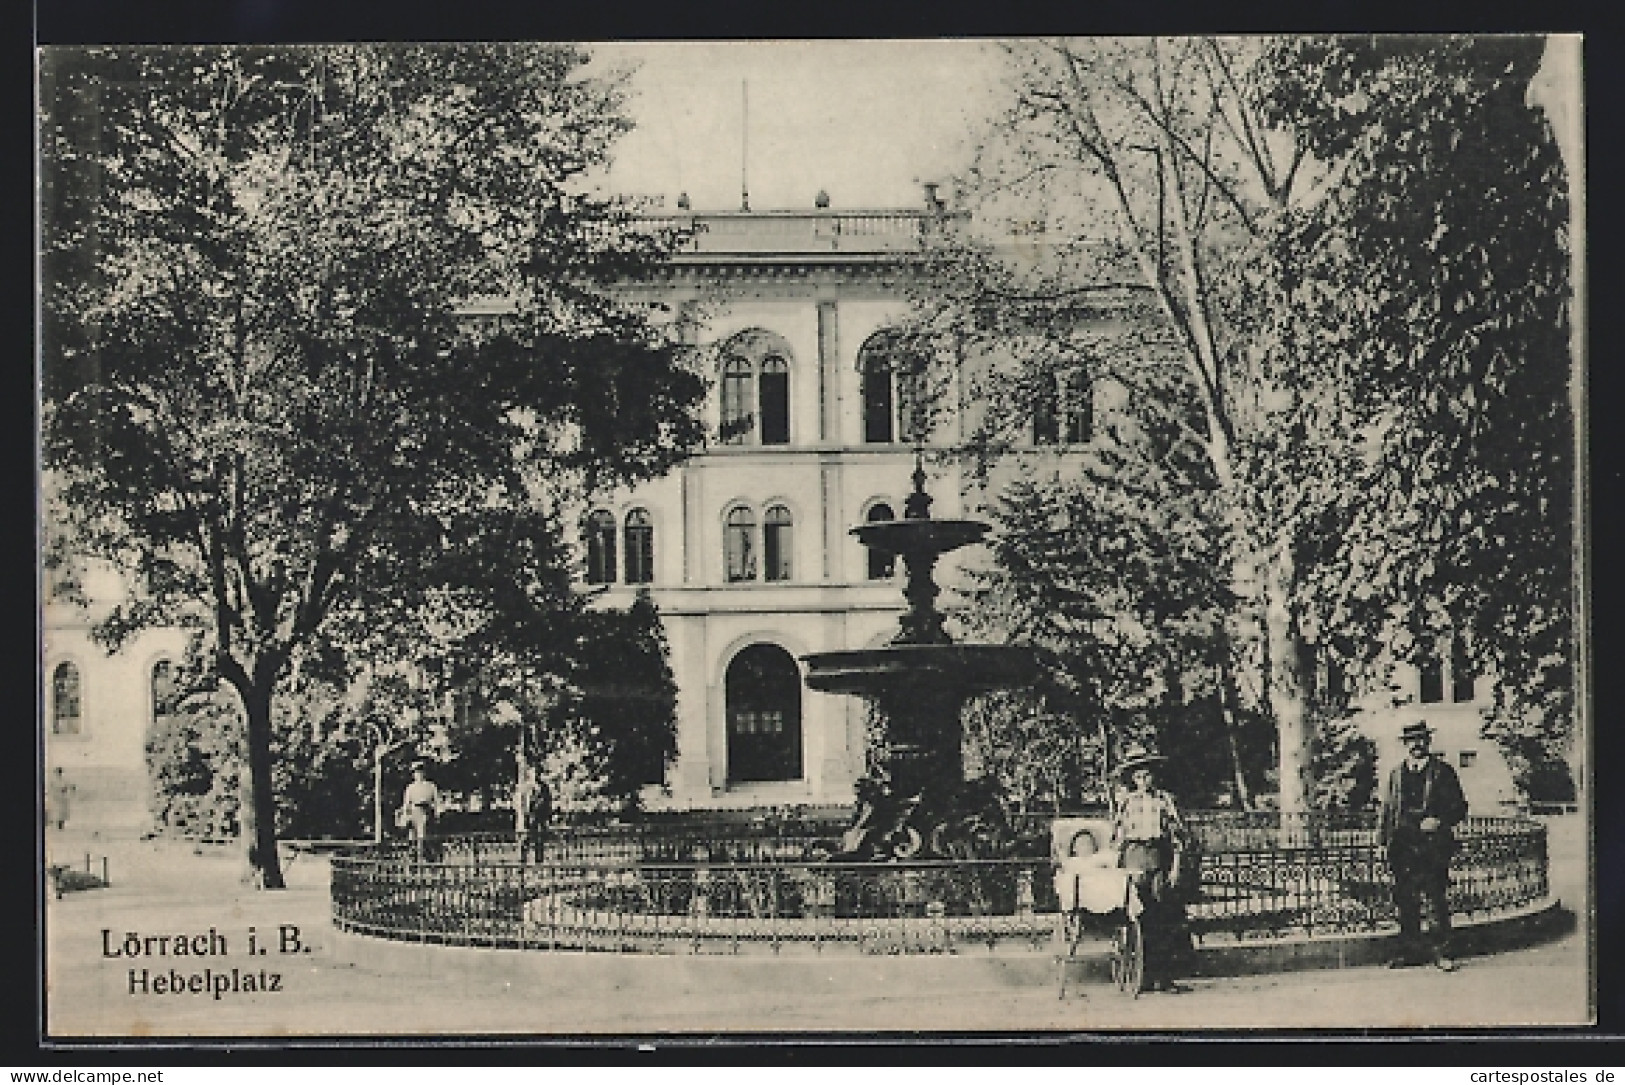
<point>100,708</point>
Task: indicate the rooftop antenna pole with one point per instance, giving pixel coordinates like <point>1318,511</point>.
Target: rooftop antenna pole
<point>744,145</point>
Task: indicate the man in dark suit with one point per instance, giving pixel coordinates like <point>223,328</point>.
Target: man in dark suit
<point>1423,805</point>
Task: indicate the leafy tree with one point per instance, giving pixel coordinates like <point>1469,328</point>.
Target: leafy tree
<point>1138,178</point>
<point>1342,766</point>
<point>322,768</point>
<point>1367,407</point>
<point>194,759</point>
<point>1122,598</point>
<point>627,698</point>
<point>267,394</point>
<point>1458,514</point>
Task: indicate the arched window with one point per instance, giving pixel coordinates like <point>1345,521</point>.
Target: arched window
<point>1077,407</point>
<point>640,547</point>
<point>600,548</point>
<point>1463,679</point>
<point>763,699</point>
<point>1430,668</point>
<point>774,389</point>
<point>908,373</point>
<point>756,389</point>
<point>894,399</point>
<point>777,542</point>
<point>881,564</point>
<point>738,423</point>
<point>739,544</point>
<point>165,694</point>
<point>1063,409</point>
<point>878,408</point>
<point>1046,411</point>
<point>66,718</point>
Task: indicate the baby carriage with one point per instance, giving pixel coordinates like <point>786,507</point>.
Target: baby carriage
<point>1096,896</point>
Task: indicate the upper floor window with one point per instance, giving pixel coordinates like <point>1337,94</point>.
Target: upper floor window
<point>877,400</point>
<point>640,547</point>
<point>881,564</point>
<point>1463,678</point>
<point>774,399</point>
<point>1064,408</point>
<point>165,691</point>
<point>1430,674</point>
<point>1331,684</point>
<point>739,544</point>
<point>66,716</point>
<point>893,390</point>
<point>600,547</point>
<point>738,418</point>
<point>1444,669</point>
<point>777,542</point>
<point>756,389</point>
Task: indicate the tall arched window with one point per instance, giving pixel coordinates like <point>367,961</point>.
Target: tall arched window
<point>908,373</point>
<point>640,547</point>
<point>1430,672</point>
<point>66,717</point>
<point>894,390</point>
<point>1063,410</point>
<point>777,542</point>
<point>763,703</point>
<point>774,388</point>
<point>600,548</point>
<point>756,389</point>
<point>739,544</point>
<point>1046,411</point>
<point>878,409</point>
<point>881,564</point>
<point>738,423</point>
<point>1077,407</point>
<point>1463,679</point>
<point>165,694</point>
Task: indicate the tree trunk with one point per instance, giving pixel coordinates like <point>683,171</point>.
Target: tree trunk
<point>1286,692</point>
<point>261,799</point>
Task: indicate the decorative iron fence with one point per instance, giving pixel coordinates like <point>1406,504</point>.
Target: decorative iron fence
<point>730,887</point>
<point>695,907</point>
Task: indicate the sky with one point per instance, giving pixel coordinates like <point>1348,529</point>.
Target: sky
<point>866,121</point>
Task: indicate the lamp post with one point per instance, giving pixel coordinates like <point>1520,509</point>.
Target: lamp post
<point>381,748</point>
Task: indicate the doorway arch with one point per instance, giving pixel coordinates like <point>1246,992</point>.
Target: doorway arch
<point>762,692</point>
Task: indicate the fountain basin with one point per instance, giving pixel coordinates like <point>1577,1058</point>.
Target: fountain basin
<point>967,668</point>
<point>920,536</point>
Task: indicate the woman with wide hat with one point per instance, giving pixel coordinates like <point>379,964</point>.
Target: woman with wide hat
<point>1151,839</point>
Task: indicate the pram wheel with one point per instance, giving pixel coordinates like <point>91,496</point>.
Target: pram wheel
<point>1128,958</point>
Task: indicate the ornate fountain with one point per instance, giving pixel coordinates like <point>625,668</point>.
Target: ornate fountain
<point>914,799</point>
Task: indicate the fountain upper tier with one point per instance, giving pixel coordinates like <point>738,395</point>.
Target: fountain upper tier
<point>921,656</point>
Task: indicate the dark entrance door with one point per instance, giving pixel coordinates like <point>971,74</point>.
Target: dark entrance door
<point>763,693</point>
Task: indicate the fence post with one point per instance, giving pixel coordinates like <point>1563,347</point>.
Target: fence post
<point>1024,892</point>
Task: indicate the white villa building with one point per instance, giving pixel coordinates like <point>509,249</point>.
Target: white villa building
<point>745,548</point>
